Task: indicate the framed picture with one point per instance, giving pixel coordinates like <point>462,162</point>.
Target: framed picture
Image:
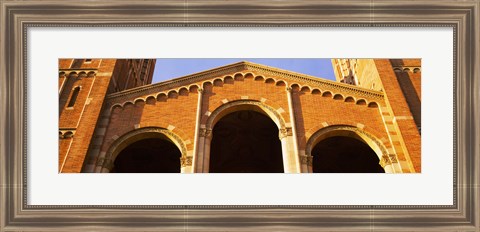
<point>436,189</point>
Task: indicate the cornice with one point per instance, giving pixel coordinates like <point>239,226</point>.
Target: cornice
<point>180,81</point>
<point>79,72</point>
<point>267,71</point>
<point>313,81</point>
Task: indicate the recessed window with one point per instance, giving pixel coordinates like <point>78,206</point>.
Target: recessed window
<point>74,96</point>
<point>88,61</point>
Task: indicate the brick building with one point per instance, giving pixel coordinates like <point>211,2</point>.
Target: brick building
<point>243,117</point>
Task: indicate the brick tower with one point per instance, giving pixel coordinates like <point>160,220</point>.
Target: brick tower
<point>400,80</point>
<point>83,87</point>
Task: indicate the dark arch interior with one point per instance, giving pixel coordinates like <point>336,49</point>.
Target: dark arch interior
<point>246,142</point>
<point>152,155</point>
<point>340,154</point>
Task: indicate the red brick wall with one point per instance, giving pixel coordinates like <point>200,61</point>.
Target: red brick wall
<point>128,74</point>
<point>83,117</point>
<point>398,102</point>
<point>70,116</point>
<point>410,82</point>
<point>179,111</point>
<point>274,92</point>
<point>64,144</point>
<point>313,109</point>
<point>64,63</point>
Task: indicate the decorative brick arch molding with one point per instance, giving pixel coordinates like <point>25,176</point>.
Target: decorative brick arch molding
<point>143,133</point>
<point>233,106</point>
<point>389,162</point>
<point>201,162</point>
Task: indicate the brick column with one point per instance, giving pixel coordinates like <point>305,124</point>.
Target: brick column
<point>206,140</point>
<point>94,149</point>
<point>186,164</point>
<point>62,80</point>
<point>306,160</point>
<point>397,115</point>
<point>293,161</point>
<point>198,141</point>
<point>99,162</point>
<point>395,152</point>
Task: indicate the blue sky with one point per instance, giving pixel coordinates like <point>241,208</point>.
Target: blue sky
<point>166,69</point>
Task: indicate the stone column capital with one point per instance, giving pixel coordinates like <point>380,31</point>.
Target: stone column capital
<point>284,132</point>
<point>186,161</point>
<point>388,160</point>
<point>103,162</point>
<point>306,159</point>
<point>393,158</point>
<point>100,162</point>
<point>204,132</point>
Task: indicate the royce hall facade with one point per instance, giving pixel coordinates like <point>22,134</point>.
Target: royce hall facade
<point>240,118</point>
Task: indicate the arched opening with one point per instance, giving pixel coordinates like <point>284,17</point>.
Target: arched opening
<point>74,96</point>
<point>342,154</point>
<point>245,141</point>
<point>148,155</point>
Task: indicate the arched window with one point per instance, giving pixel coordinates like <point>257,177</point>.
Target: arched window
<point>74,96</point>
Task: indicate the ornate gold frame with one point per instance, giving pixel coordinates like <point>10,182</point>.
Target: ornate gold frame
<point>17,16</point>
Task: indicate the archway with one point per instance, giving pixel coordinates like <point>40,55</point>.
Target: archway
<point>348,149</point>
<point>246,141</point>
<point>341,154</point>
<point>150,155</point>
<point>149,149</point>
